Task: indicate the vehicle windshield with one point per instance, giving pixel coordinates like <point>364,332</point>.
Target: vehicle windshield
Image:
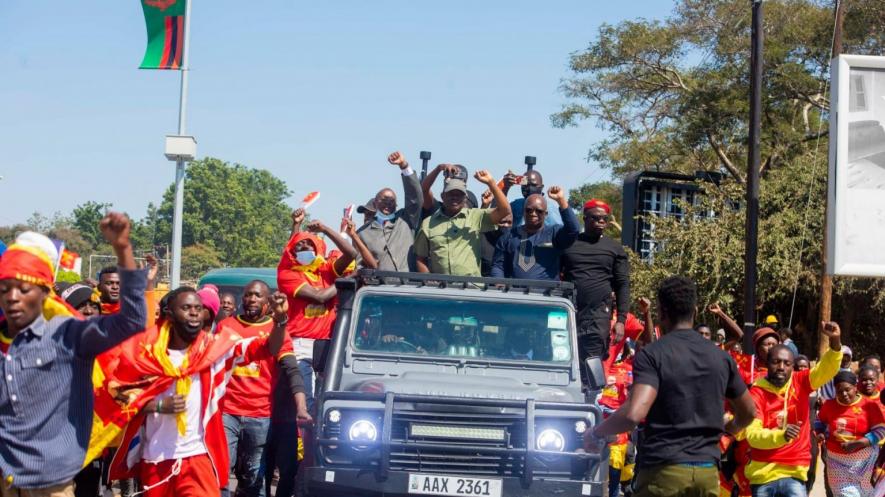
<point>441,327</point>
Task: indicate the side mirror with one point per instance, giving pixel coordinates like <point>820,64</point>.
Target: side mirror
<point>595,373</point>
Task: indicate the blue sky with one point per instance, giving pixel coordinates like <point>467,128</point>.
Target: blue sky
<point>318,93</point>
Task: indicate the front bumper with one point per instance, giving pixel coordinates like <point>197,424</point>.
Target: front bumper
<point>348,481</point>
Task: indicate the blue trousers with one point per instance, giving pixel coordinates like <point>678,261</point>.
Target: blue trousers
<point>785,487</point>
<point>247,438</point>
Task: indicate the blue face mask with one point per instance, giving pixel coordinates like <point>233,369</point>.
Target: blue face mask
<point>305,257</point>
<point>382,218</point>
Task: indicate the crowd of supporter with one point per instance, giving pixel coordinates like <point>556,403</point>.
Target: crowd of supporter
<point>105,382</point>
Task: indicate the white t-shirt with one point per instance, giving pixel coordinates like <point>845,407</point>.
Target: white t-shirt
<point>162,440</point>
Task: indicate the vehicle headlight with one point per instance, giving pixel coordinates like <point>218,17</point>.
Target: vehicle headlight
<point>580,427</point>
<point>363,430</point>
<point>334,416</point>
<point>551,440</point>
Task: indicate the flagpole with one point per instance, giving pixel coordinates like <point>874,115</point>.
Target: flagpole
<point>179,165</point>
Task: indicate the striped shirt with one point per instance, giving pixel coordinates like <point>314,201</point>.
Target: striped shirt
<point>46,389</point>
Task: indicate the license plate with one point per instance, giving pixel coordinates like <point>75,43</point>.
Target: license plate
<point>455,486</point>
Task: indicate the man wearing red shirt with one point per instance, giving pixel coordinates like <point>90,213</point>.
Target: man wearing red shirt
<point>780,436</point>
<point>307,279</point>
<point>246,405</point>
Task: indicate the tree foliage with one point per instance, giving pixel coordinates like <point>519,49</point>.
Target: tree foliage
<point>238,212</point>
<point>673,95</point>
<point>233,216</point>
<point>197,259</point>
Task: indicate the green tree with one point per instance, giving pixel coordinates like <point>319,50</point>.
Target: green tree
<point>672,95</point>
<point>86,218</point>
<point>237,211</point>
<point>197,259</point>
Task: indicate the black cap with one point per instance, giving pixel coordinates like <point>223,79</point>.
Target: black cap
<point>76,295</point>
<point>367,207</point>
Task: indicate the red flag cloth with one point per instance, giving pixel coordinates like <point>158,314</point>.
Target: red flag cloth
<point>132,375</point>
<point>68,259</point>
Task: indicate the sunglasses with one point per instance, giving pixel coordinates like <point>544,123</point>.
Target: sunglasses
<point>535,211</point>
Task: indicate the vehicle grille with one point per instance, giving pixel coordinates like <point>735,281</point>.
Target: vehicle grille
<point>441,459</point>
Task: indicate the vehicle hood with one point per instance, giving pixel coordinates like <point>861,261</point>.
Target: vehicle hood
<point>478,387</point>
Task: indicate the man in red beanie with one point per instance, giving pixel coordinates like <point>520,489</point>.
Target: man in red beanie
<point>598,266</point>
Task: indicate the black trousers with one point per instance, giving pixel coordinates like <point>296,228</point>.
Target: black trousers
<point>594,331</point>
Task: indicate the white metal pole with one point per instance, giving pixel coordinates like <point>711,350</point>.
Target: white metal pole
<point>179,165</point>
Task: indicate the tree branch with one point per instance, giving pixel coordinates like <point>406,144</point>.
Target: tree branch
<point>723,158</point>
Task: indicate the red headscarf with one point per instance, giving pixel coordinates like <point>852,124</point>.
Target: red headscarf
<point>596,203</point>
<point>32,265</point>
<point>288,260</point>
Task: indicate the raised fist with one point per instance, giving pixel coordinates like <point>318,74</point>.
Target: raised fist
<point>298,216</point>
<point>831,329</point>
<point>279,306</point>
<point>316,227</point>
<point>486,199</point>
<point>644,304</point>
<point>556,193</point>
<point>484,177</point>
<point>115,228</point>
<point>397,159</point>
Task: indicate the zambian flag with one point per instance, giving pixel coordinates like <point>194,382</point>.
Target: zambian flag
<point>165,32</point>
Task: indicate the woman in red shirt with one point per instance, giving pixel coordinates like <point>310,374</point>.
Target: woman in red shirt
<point>854,426</point>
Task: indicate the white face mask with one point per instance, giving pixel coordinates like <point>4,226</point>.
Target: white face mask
<point>305,257</point>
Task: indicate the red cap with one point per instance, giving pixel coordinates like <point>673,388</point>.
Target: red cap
<point>596,203</point>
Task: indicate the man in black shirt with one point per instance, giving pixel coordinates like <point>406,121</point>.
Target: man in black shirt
<point>679,383</point>
<point>598,267</point>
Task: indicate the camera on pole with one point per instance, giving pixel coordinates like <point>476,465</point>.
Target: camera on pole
<point>425,157</point>
<point>530,162</point>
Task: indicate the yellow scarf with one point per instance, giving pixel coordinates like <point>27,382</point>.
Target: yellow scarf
<point>183,381</point>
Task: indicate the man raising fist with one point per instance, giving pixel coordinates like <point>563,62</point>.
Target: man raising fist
<point>780,436</point>
<point>389,236</point>
<point>46,357</point>
<point>533,250</point>
<point>449,240</point>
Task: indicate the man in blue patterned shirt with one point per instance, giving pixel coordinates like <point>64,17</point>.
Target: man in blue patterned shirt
<point>46,357</point>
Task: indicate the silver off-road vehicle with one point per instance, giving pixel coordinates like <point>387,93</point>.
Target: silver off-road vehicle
<point>454,386</point>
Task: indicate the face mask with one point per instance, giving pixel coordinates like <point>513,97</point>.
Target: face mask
<point>382,218</point>
<point>305,257</point>
<point>531,190</point>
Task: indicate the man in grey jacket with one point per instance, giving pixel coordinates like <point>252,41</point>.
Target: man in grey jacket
<point>391,234</point>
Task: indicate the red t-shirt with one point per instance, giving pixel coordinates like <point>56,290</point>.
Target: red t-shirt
<point>309,319</point>
<point>849,422</point>
<point>618,382</point>
<point>249,390</point>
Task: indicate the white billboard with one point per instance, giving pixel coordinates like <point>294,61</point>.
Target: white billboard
<point>856,187</point>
